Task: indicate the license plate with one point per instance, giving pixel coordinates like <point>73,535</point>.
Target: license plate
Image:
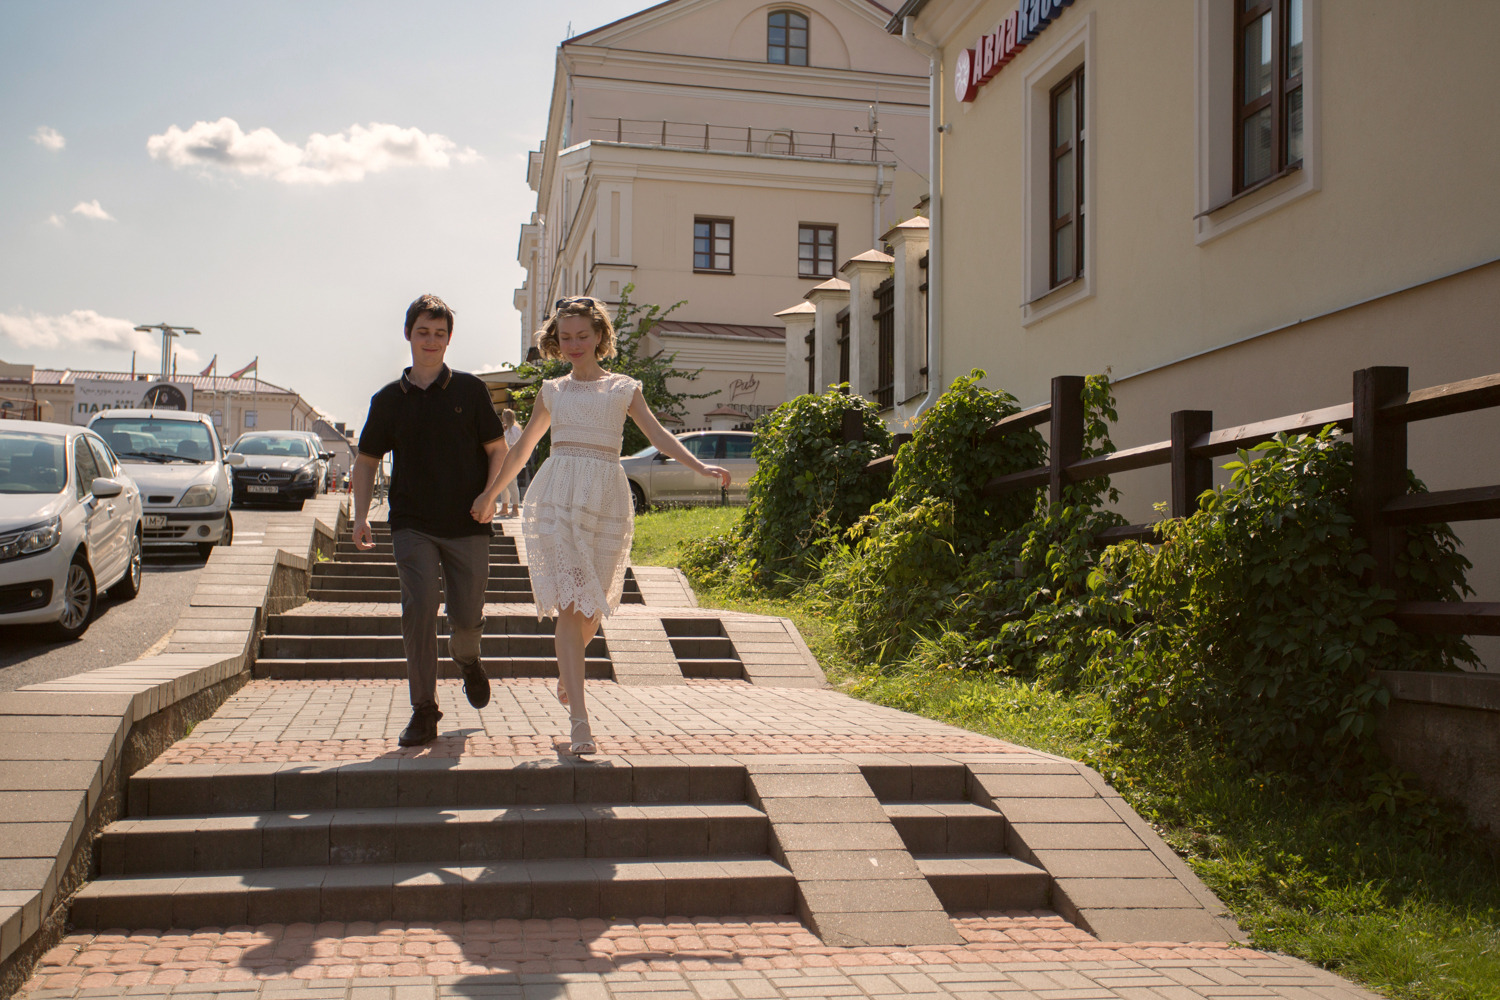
<point>261,489</point>
<point>154,521</point>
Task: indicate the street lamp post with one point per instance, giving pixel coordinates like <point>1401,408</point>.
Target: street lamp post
<point>167,333</point>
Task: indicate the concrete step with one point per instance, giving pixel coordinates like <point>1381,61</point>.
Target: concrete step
<point>313,647</point>
<point>390,624</point>
<point>499,889</point>
<point>394,596</point>
<point>703,647</point>
<point>985,881</point>
<point>930,779</point>
<point>720,670</point>
<point>156,844</point>
<point>352,668</point>
<point>497,558</point>
<point>463,782</point>
<point>946,827</point>
<point>387,569</point>
<point>498,546</point>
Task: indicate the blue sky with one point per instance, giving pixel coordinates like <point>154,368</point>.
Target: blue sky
<point>300,250</point>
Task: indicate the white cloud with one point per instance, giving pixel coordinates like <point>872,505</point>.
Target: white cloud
<point>55,220</point>
<point>80,328</point>
<point>324,159</point>
<point>48,138</point>
<point>92,210</point>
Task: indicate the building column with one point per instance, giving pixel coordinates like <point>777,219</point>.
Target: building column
<point>864,273</point>
<point>828,299</point>
<point>798,321</point>
<point>908,242</point>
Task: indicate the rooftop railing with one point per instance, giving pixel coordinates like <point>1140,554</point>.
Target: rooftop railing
<point>738,139</point>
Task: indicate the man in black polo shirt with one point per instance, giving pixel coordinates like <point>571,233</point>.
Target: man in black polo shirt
<point>448,446</point>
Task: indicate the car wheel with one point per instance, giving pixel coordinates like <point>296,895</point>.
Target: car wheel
<point>206,549</point>
<point>130,584</point>
<point>79,598</point>
<point>638,497</point>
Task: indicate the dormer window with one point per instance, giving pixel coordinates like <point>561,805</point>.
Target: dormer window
<point>786,38</point>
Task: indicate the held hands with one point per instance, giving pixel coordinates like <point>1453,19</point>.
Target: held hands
<point>483,510</point>
<point>364,538</point>
<point>717,472</point>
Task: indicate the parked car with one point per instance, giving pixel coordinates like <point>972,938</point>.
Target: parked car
<point>325,457</point>
<point>70,526</point>
<point>655,478</point>
<point>177,460</point>
<point>277,467</point>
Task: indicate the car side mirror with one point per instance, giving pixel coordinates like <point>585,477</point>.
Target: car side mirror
<point>326,455</point>
<point>234,458</point>
<point>660,457</point>
<point>103,488</point>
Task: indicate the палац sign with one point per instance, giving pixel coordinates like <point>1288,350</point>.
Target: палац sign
<point>91,395</point>
<point>1017,30</point>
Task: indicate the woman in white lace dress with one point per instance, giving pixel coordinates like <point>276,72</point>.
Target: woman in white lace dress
<point>578,517</point>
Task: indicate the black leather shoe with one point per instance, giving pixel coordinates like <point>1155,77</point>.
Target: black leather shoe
<point>476,684</point>
<point>423,726</point>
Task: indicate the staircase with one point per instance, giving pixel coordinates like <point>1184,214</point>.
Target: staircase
<point>357,576</point>
<point>958,844</point>
<point>433,839</point>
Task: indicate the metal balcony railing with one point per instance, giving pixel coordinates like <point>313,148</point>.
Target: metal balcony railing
<point>738,139</point>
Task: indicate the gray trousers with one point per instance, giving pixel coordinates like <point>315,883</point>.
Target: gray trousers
<point>460,569</point>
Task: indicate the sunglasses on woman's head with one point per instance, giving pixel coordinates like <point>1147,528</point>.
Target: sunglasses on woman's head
<point>574,300</point>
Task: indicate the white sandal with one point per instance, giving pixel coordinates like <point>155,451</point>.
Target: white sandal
<point>582,739</point>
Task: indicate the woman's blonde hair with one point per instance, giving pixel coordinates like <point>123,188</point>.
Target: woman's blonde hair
<point>507,418</point>
<point>581,305</point>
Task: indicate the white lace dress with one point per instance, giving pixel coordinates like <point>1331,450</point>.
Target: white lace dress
<point>578,517</point>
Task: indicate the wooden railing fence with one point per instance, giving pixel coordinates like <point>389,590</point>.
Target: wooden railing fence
<point>1377,419</point>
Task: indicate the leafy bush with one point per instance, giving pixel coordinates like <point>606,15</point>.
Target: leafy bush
<point>902,565</point>
<point>807,488</point>
<point>1251,622</point>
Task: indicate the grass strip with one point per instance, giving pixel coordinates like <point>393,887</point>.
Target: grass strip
<point>1410,909</point>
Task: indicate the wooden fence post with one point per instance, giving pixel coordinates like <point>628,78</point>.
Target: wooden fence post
<point>1379,462</point>
<point>1066,443</point>
<point>1191,475</point>
<point>853,428</point>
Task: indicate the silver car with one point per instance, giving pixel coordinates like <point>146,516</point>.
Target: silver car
<point>70,526</point>
<point>655,478</point>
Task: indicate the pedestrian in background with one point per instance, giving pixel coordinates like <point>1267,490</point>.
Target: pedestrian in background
<point>510,498</point>
<point>448,445</point>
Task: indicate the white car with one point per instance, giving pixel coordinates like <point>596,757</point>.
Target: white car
<point>176,459</point>
<point>655,478</point>
<point>70,526</point>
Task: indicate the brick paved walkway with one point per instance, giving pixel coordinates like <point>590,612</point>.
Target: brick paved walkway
<point>347,720</point>
<point>1015,955</point>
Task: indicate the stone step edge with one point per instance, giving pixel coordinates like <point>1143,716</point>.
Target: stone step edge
<point>430,834</point>
<point>712,886</point>
<point>192,789</point>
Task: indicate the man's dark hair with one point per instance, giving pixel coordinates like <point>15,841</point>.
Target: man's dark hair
<point>428,304</point>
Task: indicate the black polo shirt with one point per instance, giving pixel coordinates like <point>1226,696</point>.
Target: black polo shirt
<point>438,435</point>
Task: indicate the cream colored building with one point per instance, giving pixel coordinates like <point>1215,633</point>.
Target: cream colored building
<point>1355,221</point>
<point>719,153</point>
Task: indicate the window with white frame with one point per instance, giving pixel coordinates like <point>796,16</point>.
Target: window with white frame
<point>1059,172</point>
<point>1257,107</point>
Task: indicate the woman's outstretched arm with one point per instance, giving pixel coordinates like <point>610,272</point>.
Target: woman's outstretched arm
<point>666,442</point>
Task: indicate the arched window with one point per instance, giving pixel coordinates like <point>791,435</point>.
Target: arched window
<point>786,38</point>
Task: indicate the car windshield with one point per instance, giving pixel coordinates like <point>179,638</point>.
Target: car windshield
<point>645,452</point>
<point>32,463</point>
<point>149,439</point>
<point>281,447</point>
